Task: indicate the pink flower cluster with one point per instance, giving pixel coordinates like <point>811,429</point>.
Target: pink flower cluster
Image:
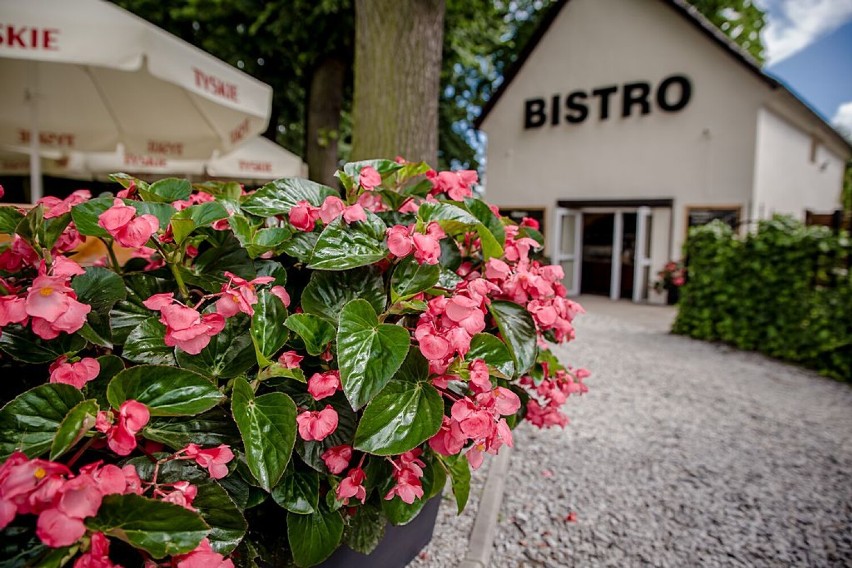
<point>214,460</point>
<point>337,458</point>
<point>121,429</point>
<point>369,178</point>
<point>128,229</point>
<point>317,425</point>
<point>322,385</point>
<point>303,216</point>
<point>239,295</point>
<point>185,327</point>
<point>552,393</point>
<point>352,486</point>
<point>61,500</point>
<point>426,246</point>
<point>457,184</point>
<point>407,471</point>
<point>74,374</point>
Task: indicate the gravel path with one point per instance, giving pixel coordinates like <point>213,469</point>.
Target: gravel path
<point>683,453</point>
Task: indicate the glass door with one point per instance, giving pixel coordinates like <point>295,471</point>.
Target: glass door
<point>568,238</point>
<point>642,254</point>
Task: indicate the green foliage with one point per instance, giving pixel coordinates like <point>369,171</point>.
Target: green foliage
<point>785,290</point>
<point>740,20</point>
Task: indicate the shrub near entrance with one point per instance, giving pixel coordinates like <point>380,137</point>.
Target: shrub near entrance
<point>272,374</point>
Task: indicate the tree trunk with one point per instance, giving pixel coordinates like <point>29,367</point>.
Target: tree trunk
<point>397,79</point>
<point>325,100</point>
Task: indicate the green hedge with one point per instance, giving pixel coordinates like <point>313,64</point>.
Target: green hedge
<point>784,290</point>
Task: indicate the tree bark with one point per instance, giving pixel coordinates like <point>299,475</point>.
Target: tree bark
<point>325,100</point>
<point>397,79</point>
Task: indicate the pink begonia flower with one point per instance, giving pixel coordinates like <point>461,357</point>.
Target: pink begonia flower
<point>18,255</point>
<point>290,359</point>
<point>354,213</point>
<point>479,378</point>
<point>68,240</point>
<point>352,486</point>
<point>369,178</point>
<point>322,385</point>
<point>411,205</point>
<point>337,458</point>
<point>496,269</point>
<point>331,209</point>
<point>239,295</point>
<point>475,422</point>
<point>203,557</point>
<point>98,554</point>
<point>56,529</point>
<point>121,434</point>
<point>427,250</point>
<point>214,460</point>
<point>21,478</point>
<point>159,301</point>
<point>75,374</point>
<point>317,425</point>
<point>63,266</point>
<point>281,293</point>
<point>303,216</point>
<point>54,307</point>
<point>408,469</point>
<point>433,347</point>
<point>183,495</point>
<point>112,479</point>
<point>56,207</point>
<point>400,242</point>
<point>185,327</point>
<point>12,310</point>
<point>455,184</point>
<point>372,202</point>
<point>121,223</point>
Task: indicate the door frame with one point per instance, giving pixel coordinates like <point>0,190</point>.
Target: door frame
<point>575,256</point>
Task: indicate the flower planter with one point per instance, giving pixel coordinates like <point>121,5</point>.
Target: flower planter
<point>398,547</point>
<point>673,296</point>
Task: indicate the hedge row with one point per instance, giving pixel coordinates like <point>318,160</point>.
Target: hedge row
<point>784,290</point>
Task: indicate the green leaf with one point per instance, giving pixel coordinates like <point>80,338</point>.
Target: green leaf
<point>166,391</point>
<point>341,246</point>
<point>277,370</point>
<point>451,218</point>
<point>110,365</point>
<point>22,344</point>
<point>518,330</point>
<point>53,229</point>
<point>311,452</point>
<point>400,418</point>
<point>449,279</point>
<point>162,211</point>
<point>271,268</point>
<point>167,190</point>
<point>410,278</point>
<point>301,246</point>
<point>9,219</point>
<point>86,215</point>
<point>490,247</point>
<point>383,166</point>
<point>327,292</point>
<point>76,423</point>
<point>459,471</point>
<point>218,510</point>
<point>225,254</point>
<point>298,491</point>
<point>489,220</point>
<point>277,197</point>
<point>316,332</point>
<point>314,537</point>
<point>415,368</point>
<point>99,287</point>
<point>124,317</point>
<point>157,527</point>
<point>368,353</point>
<point>147,344</point>
<point>366,529</point>
<point>228,354</point>
<point>268,332</point>
<point>31,420</point>
<point>268,428</point>
<point>211,428</point>
<point>494,352</point>
<point>196,216</point>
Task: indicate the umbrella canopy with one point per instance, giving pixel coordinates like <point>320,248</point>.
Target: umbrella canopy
<point>86,75</point>
<point>257,159</point>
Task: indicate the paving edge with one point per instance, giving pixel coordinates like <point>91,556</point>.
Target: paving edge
<point>485,526</point>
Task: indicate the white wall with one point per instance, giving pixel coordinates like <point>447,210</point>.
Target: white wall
<point>785,178</point>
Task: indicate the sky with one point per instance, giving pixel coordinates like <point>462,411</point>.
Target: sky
<point>809,48</point>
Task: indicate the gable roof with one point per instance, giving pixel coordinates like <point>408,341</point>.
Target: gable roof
<point>695,18</point>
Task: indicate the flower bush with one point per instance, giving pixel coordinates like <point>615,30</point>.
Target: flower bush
<point>672,276</point>
<point>268,374</point>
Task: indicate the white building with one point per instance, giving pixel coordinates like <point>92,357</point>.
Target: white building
<point>629,120</point>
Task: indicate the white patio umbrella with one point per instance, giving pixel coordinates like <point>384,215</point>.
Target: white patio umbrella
<point>86,75</point>
<point>16,162</point>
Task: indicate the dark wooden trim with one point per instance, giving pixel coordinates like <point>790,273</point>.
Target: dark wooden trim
<point>581,203</point>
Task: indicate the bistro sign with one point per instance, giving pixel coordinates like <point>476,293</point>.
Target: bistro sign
<point>670,95</point>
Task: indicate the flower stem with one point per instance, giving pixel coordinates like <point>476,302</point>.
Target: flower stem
<point>112,258</point>
<point>184,292</point>
<point>81,451</point>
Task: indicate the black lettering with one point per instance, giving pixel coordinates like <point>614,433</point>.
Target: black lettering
<point>636,94</point>
<point>534,115</point>
<point>603,94</point>
<point>663,99</point>
<point>554,110</point>
<point>577,107</point>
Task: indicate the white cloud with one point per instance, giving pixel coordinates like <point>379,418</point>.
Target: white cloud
<point>843,118</point>
<point>794,24</point>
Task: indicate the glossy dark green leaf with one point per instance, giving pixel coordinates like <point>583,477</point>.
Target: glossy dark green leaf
<point>301,246</point>
<point>327,292</point>
<point>157,527</point>
<point>76,423</point>
<point>298,491</point>
<point>459,471</point>
<point>494,352</point>
<point>31,420</point>
<point>99,288</point>
<point>277,370</point>
<point>196,216</point>
<point>162,211</point>
<point>124,317</point>
<point>23,345</point>
<point>268,428</point>
<point>366,529</point>
<point>490,247</point>
<point>218,510</point>
<point>226,254</point>
<point>228,354</point>
<point>415,368</point>
<point>277,197</point>
<point>518,330</point>
<point>268,332</point>
<point>453,219</point>
<point>316,332</point>
<point>314,537</point>
<point>342,246</point>
<point>110,366</point>
<point>271,268</point>
<point>165,390</point>
<point>410,278</point>
<point>9,219</point>
<point>448,279</point>
<point>383,166</point>
<point>493,247</point>
<point>167,190</point>
<point>86,215</point>
<point>400,418</point>
<point>368,353</point>
<point>147,344</point>
<point>211,428</point>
